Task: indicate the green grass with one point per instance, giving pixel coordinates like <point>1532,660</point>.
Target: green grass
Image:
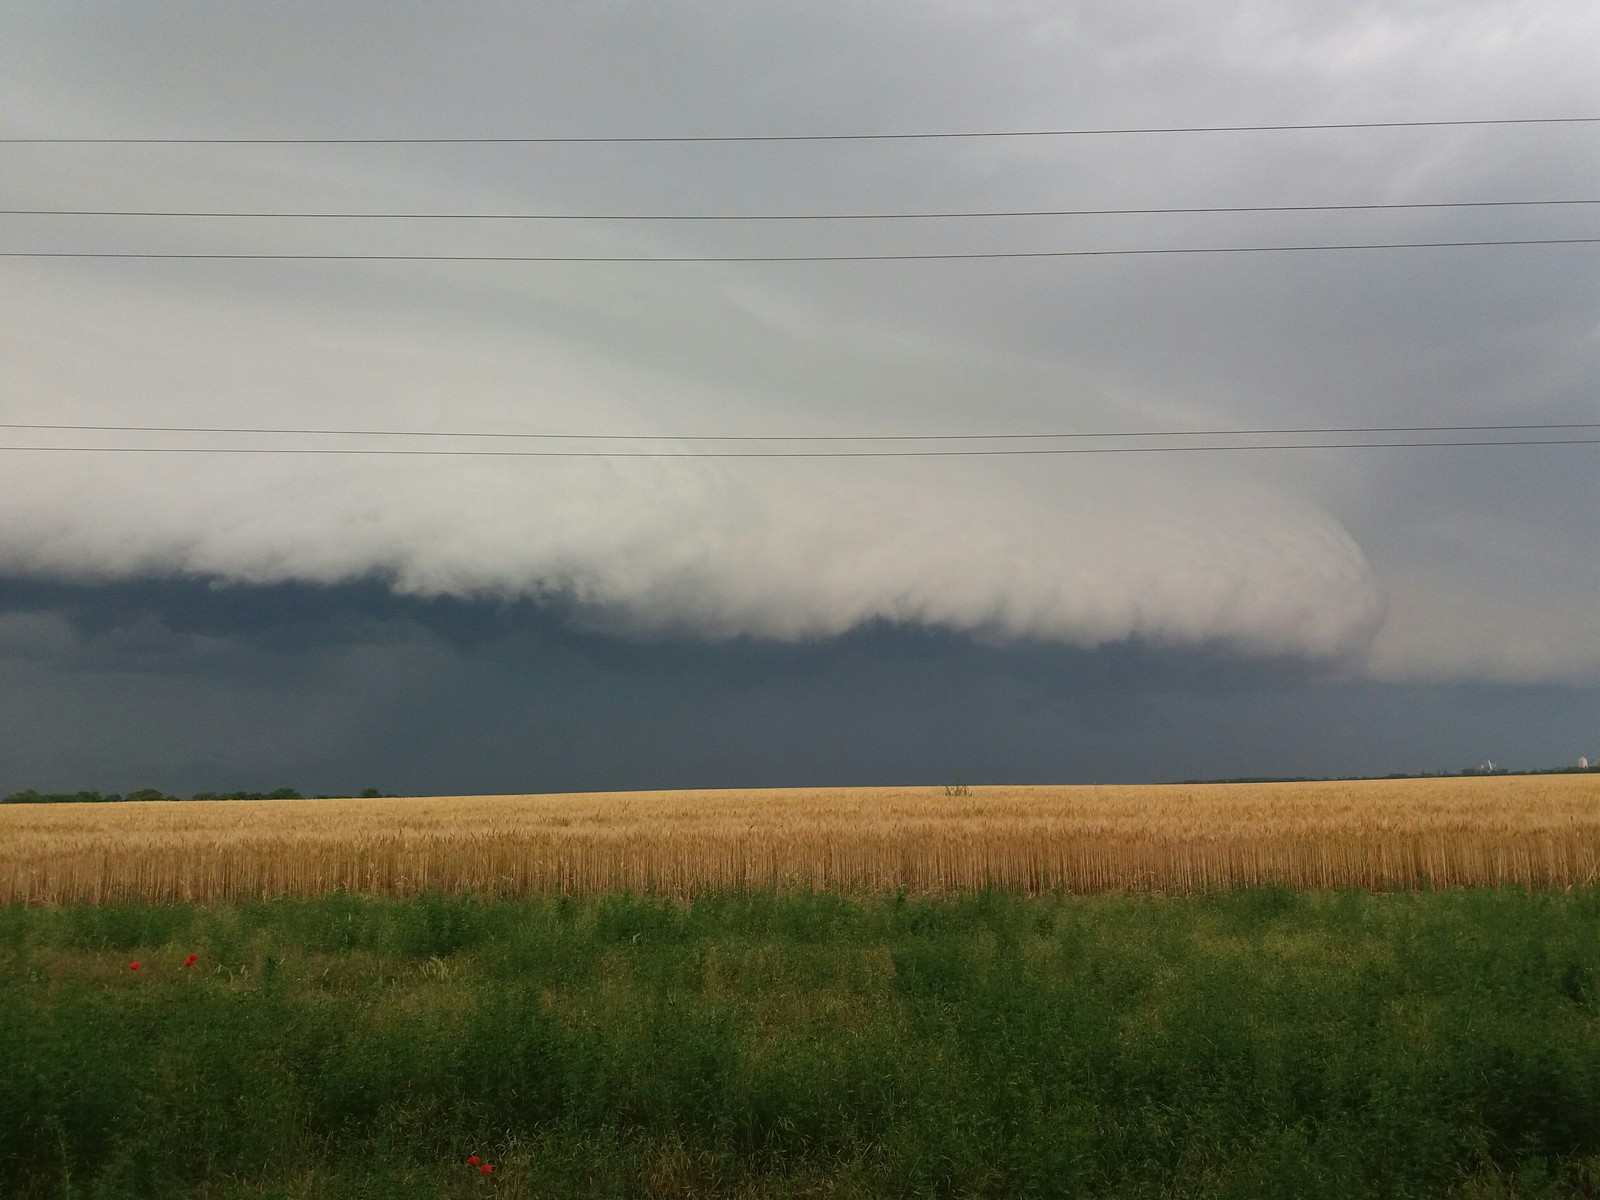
<point>1252,1043</point>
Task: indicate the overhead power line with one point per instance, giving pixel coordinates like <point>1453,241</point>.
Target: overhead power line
<point>1127,131</point>
<point>783,258</point>
<point>846,216</point>
<point>797,437</point>
<point>964,453</point>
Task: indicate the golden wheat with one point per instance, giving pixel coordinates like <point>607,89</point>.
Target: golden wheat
<point>1537,831</point>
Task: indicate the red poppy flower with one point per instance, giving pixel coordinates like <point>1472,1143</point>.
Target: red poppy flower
<point>191,960</point>
<point>486,1169</point>
<point>133,966</point>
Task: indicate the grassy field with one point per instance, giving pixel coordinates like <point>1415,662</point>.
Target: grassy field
<point>1539,831</point>
<point>1261,1042</point>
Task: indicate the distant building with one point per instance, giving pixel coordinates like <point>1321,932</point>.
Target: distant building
<point>1583,763</point>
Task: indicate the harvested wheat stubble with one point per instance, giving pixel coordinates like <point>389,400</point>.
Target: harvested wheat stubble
<point>1536,831</point>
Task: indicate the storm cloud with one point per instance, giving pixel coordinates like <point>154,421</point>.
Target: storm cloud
<point>190,687</point>
<point>1379,569</point>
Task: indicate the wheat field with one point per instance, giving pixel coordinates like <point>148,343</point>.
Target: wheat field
<point>1533,830</point>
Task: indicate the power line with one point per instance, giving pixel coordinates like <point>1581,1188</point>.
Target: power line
<point>783,258</point>
<point>780,137</point>
<point>1056,450</point>
<point>850,216</point>
<point>788,437</point>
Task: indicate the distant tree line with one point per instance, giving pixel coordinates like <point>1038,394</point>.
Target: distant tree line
<point>1485,770</point>
<point>29,796</point>
<point>1593,768</point>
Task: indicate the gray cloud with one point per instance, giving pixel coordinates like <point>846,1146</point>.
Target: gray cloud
<point>191,687</point>
<point>1405,565</point>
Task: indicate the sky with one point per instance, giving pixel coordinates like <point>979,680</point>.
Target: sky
<point>462,623</point>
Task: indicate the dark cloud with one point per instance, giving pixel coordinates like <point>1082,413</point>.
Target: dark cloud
<point>347,687</point>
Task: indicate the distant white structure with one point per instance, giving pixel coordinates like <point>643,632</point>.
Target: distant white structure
<point>1583,763</point>
<point>1488,766</point>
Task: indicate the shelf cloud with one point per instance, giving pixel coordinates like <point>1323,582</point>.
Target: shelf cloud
<point>717,549</point>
